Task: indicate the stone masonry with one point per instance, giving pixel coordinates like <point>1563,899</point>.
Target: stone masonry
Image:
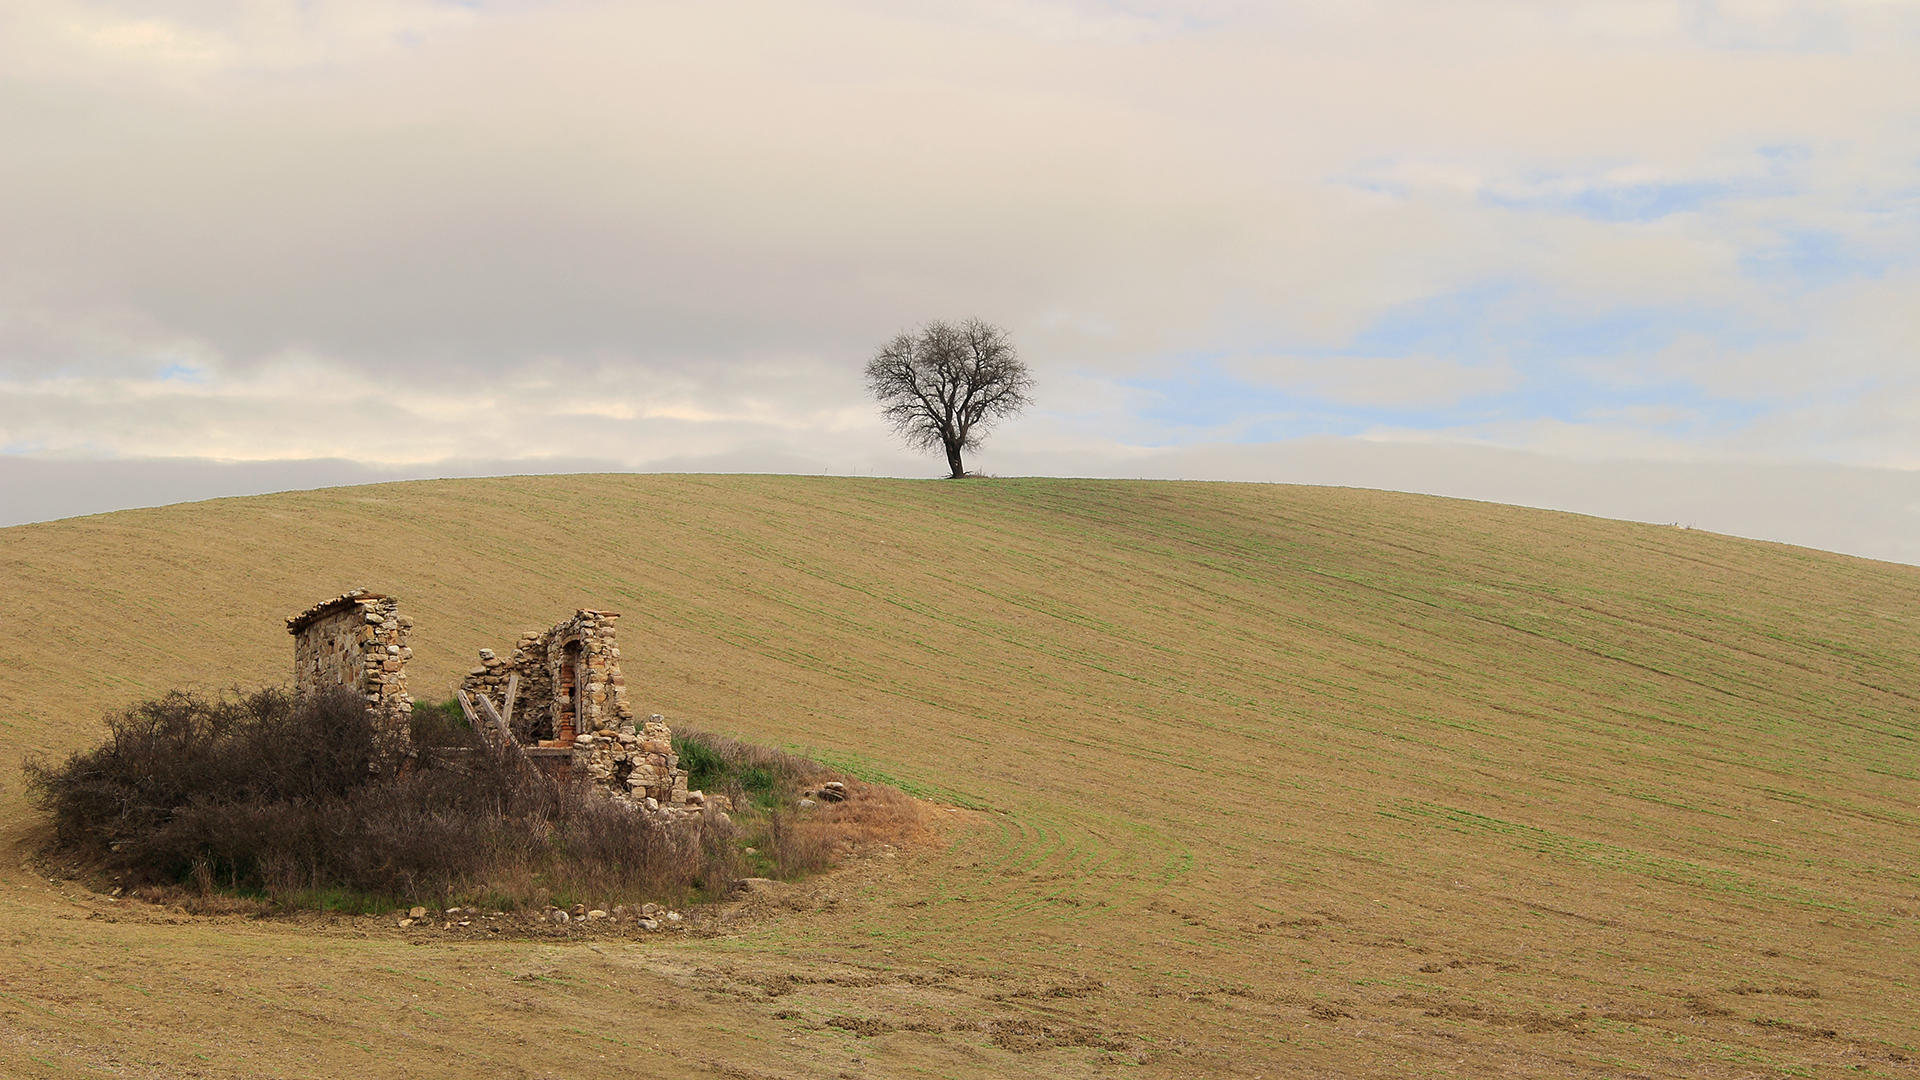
<point>359,640</point>
<point>571,713</point>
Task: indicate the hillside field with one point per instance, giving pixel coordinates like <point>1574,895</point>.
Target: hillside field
<point>1226,780</point>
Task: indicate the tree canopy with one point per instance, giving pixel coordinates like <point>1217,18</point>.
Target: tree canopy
<point>945,385</point>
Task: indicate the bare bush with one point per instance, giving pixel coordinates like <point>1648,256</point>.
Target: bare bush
<point>181,750</point>
<point>267,795</point>
<point>264,795</point>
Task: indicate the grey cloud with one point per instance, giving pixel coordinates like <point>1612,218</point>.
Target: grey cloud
<point>672,231</point>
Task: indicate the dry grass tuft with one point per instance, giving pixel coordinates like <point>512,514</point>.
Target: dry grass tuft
<point>792,830</point>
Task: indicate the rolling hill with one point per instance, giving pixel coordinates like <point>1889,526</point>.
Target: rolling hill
<point>1230,780</point>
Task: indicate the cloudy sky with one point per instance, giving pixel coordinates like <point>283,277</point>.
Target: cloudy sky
<point>1649,258</point>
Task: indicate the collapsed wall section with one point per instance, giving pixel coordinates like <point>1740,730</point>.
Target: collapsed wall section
<point>533,705</point>
<point>571,715</point>
<point>359,640</point>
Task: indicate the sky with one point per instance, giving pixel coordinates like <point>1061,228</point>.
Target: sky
<point>1654,259</point>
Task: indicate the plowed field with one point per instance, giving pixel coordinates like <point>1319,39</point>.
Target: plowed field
<point>1230,780</point>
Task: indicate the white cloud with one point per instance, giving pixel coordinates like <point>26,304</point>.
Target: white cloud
<point>678,228</point>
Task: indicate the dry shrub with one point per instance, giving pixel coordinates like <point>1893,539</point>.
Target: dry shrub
<point>796,846</point>
<point>766,785</point>
<point>266,795</point>
<point>184,750</point>
<point>605,850</point>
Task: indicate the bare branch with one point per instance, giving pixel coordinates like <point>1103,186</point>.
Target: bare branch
<point>946,385</point>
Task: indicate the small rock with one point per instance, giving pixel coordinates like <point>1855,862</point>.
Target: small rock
<point>649,924</point>
<point>804,804</point>
<point>404,923</point>
<point>673,916</point>
<point>596,913</point>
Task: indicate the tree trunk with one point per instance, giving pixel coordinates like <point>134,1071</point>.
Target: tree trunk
<point>953,459</point>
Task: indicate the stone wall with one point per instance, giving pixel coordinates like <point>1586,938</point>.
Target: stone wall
<point>533,709</point>
<point>583,664</point>
<point>573,697</point>
<point>359,640</point>
<point>571,714</point>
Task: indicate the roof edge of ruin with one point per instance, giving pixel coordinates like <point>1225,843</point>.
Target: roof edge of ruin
<point>296,623</point>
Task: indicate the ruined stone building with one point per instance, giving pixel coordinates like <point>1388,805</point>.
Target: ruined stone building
<point>569,711</point>
<point>559,694</point>
<point>359,640</point>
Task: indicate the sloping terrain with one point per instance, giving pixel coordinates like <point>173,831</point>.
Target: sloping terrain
<point>1233,780</point>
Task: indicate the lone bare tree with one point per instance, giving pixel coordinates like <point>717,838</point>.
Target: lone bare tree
<point>944,386</point>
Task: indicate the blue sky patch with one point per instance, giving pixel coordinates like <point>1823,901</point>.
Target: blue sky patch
<point>1202,400</point>
<point>1577,368</point>
<point>1815,258</point>
<point>182,373</point>
<point>1619,203</point>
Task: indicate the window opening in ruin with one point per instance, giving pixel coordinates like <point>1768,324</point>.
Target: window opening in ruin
<point>569,692</point>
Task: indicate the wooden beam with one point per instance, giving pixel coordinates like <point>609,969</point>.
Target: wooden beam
<point>466,706</point>
<point>493,715</point>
